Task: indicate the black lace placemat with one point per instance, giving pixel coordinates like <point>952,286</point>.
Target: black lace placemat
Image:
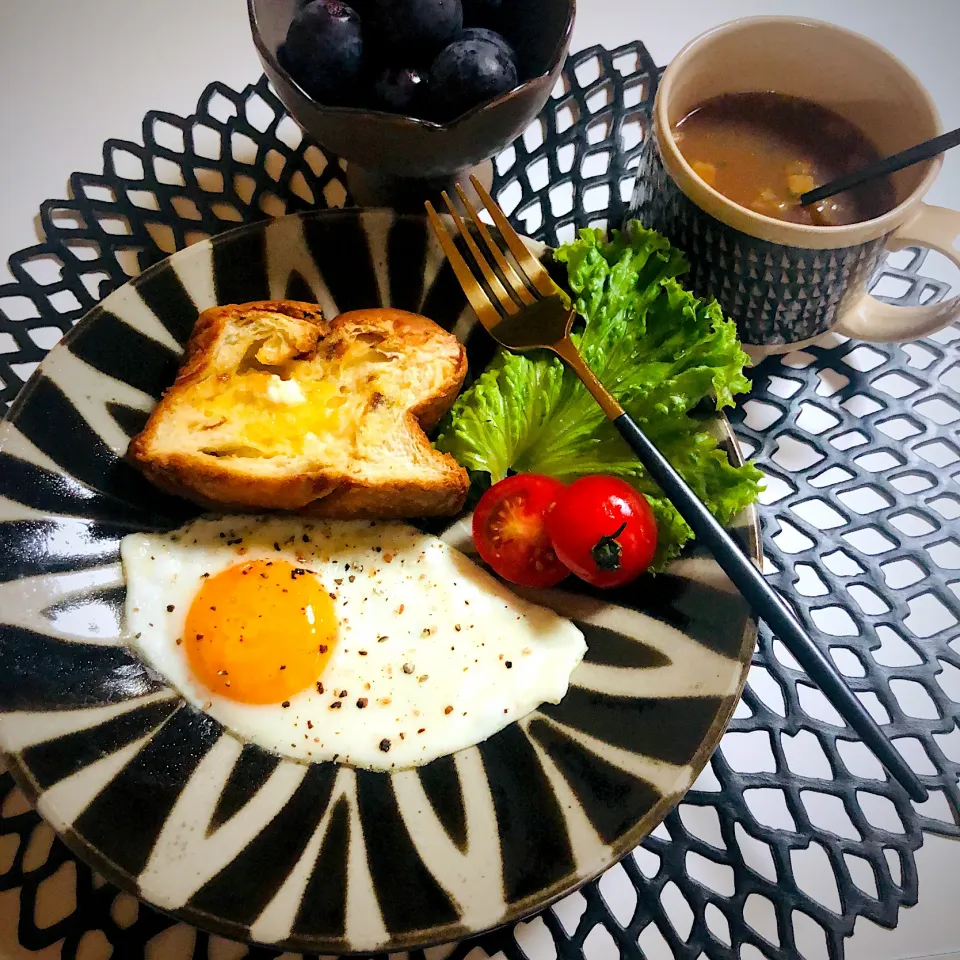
<point>861,528</point>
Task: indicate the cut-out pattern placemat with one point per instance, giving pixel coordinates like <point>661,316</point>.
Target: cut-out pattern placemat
<point>861,528</point>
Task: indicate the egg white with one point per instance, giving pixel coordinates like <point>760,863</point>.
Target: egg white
<point>443,654</point>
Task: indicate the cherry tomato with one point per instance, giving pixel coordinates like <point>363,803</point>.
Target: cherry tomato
<point>603,531</point>
<point>509,530</point>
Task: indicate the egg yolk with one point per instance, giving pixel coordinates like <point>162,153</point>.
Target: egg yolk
<point>260,632</point>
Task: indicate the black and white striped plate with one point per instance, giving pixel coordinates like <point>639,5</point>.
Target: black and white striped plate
<point>322,858</point>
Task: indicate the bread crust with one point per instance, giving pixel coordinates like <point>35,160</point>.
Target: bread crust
<point>321,490</point>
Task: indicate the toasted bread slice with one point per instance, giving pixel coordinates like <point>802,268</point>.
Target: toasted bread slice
<point>277,408</point>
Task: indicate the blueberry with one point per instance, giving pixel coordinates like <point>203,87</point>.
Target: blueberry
<point>483,33</point>
<point>481,12</point>
<point>324,50</point>
<point>415,28</point>
<point>400,90</point>
<point>467,73</point>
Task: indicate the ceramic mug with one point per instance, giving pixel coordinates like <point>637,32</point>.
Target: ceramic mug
<point>786,283</point>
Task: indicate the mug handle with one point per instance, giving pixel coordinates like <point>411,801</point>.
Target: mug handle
<point>870,319</point>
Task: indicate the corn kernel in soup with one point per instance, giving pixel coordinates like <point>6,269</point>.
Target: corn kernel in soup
<point>763,151</point>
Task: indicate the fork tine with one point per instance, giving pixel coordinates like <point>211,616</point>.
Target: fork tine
<point>506,268</point>
<point>528,262</point>
<point>493,281</point>
<point>485,310</point>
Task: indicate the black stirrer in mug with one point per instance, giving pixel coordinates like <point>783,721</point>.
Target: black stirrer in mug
<point>882,168</point>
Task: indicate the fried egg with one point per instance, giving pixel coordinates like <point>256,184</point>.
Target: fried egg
<point>371,644</point>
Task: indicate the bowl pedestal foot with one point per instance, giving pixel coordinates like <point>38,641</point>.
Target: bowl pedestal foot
<point>372,188</point>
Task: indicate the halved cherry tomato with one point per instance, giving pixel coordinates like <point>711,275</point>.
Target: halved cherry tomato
<point>603,531</point>
<point>509,530</point>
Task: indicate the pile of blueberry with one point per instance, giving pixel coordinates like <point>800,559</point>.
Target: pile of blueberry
<point>433,59</point>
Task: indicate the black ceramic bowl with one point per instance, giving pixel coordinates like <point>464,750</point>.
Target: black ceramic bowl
<point>392,157</point>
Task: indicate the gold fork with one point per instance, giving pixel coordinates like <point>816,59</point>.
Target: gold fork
<point>522,309</point>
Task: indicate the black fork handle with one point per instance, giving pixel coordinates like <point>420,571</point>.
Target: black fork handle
<point>769,605</point>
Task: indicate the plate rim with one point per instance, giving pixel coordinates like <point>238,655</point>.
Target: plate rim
<point>517,911</point>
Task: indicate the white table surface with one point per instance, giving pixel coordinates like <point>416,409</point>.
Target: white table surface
<point>76,72</point>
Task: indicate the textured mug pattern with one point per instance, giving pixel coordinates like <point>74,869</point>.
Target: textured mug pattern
<point>777,294</point>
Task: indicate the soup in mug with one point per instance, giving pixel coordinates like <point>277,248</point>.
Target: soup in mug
<point>764,150</point>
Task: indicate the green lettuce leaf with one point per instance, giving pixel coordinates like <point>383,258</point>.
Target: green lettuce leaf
<point>659,350</point>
